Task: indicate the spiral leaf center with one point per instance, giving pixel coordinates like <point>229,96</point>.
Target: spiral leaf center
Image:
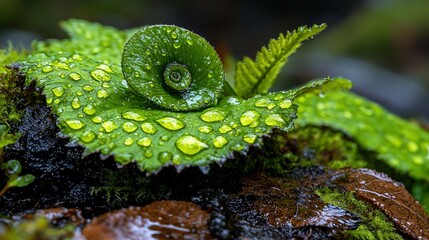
<point>177,77</point>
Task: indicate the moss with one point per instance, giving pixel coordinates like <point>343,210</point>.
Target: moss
<point>13,95</point>
<point>37,228</point>
<point>134,189</point>
<point>374,224</point>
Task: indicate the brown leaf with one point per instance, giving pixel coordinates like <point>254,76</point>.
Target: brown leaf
<point>389,196</point>
<point>158,220</point>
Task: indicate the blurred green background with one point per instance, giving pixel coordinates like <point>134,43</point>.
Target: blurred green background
<point>381,45</point>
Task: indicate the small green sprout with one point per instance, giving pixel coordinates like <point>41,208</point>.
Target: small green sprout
<point>12,170</point>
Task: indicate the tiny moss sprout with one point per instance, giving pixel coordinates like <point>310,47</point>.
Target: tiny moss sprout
<point>12,169</point>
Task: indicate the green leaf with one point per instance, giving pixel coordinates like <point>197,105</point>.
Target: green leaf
<point>258,76</point>
<point>21,181</point>
<point>12,167</point>
<point>96,107</point>
<point>401,144</point>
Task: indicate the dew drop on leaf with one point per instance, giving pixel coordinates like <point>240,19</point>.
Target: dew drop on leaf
<point>249,138</point>
<point>133,116</point>
<point>75,124</point>
<point>171,123</point>
<point>87,136</point>
<point>213,115</point>
<point>88,88</point>
<point>100,75</point>
<point>148,153</point>
<point>144,142</point>
<point>219,142</point>
<point>58,91</point>
<point>164,157</point>
<point>105,67</point>
<point>285,104</point>
<point>75,76</point>
<point>129,127</point>
<point>249,117</point>
<point>148,128</point>
<point>97,119</point>
<point>89,109</point>
<point>225,129</point>
<point>47,69</point>
<point>205,129</point>
<point>102,93</point>
<point>128,141</point>
<point>190,145</point>
<point>75,103</point>
<point>109,126</point>
<point>274,120</point>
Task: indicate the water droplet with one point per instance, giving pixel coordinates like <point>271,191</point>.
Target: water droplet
<point>174,35</point>
<point>79,93</point>
<point>249,117</point>
<point>164,138</point>
<point>148,153</point>
<point>88,88</point>
<point>279,97</point>
<point>47,69</point>
<point>75,76</point>
<point>148,128</point>
<point>97,119</point>
<point>148,67</point>
<point>77,57</point>
<point>58,91</point>
<point>102,94</point>
<point>225,129</point>
<point>275,120</point>
<point>109,126</point>
<point>62,65</point>
<point>105,68</point>
<point>144,142</point>
<point>249,138</point>
<point>57,101</point>
<point>265,103</point>
<point>49,100</point>
<point>394,140</point>
<point>175,159</point>
<point>213,115</point>
<point>129,127</point>
<point>412,147</point>
<point>163,53</point>
<point>105,85</point>
<point>87,136</point>
<point>177,44</point>
<point>418,160</point>
<point>190,145</point>
<point>75,103</point>
<point>100,75</point>
<point>164,157</point>
<point>75,124</point>
<point>205,129</point>
<point>189,41</point>
<point>347,114</point>
<point>219,142</point>
<point>285,103</point>
<point>89,109</point>
<point>171,123</point>
<point>128,141</point>
<point>133,116</point>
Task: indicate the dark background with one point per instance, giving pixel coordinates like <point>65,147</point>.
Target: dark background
<point>381,45</point>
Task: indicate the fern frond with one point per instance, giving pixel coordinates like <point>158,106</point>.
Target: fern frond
<point>257,76</point>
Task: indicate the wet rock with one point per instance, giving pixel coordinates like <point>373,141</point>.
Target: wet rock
<point>283,208</point>
<point>158,220</point>
<point>288,207</point>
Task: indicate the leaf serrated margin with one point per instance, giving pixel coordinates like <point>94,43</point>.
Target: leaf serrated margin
<point>257,76</point>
